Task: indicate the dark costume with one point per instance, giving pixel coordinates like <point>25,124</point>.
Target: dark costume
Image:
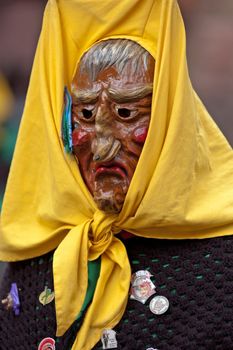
<point>195,275</point>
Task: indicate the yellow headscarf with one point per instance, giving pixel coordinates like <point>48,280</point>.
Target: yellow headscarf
<point>182,186</point>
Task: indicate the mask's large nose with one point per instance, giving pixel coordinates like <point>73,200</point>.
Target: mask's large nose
<point>104,147</point>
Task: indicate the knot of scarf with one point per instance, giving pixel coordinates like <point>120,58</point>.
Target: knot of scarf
<point>100,234</point>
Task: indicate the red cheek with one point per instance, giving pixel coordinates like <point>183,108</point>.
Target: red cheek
<point>140,134</point>
<point>79,137</point>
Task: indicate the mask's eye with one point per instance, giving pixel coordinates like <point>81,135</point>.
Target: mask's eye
<point>86,114</point>
<point>125,113</point>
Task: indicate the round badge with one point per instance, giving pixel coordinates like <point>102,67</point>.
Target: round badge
<point>142,287</point>
<point>46,296</point>
<point>159,305</point>
<point>47,344</point>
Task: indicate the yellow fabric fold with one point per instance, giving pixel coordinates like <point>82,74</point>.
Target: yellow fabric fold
<point>182,186</point>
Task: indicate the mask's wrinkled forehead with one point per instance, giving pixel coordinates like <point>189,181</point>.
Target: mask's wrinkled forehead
<point>114,53</point>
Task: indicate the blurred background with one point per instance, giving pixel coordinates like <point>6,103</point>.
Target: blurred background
<point>209,26</point>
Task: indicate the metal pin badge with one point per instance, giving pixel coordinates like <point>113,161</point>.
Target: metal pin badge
<point>108,339</point>
<point>12,300</point>
<point>159,305</point>
<point>46,296</point>
<point>142,286</point>
<point>47,344</point>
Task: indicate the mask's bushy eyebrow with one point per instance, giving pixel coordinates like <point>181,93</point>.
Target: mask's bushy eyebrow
<point>130,94</point>
<point>84,96</point>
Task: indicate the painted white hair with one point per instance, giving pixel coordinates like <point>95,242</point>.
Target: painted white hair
<point>113,53</point>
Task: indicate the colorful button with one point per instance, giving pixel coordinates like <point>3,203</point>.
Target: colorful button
<point>142,286</point>
<point>12,300</point>
<point>46,296</point>
<point>47,344</point>
<point>159,305</point>
<point>108,339</point>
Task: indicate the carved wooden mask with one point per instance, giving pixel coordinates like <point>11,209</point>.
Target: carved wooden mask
<point>111,94</point>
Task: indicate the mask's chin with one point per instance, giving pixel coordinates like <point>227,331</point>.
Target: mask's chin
<point>109,194</point>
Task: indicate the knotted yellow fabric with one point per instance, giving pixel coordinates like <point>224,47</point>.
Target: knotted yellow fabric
<point>182,186</point>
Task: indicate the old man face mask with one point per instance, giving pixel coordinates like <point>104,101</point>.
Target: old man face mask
<point>111,94</point>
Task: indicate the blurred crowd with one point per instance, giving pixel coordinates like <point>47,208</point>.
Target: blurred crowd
<point>20,23</point>
<point>209,27</point>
